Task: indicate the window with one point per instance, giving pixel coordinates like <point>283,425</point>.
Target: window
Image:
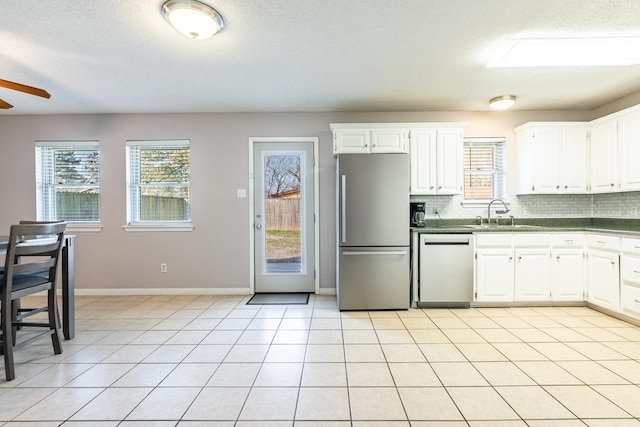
<point>68,181</point>
<point>158,183</point>
<point>484,177</point>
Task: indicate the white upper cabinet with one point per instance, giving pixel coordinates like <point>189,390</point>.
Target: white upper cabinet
<point>552,158</point>
<point>436,159</point>
<point>629,151</point>
<point>604,156</point>
<point>423,161</point>
<point>389,140</point>
<point>369,138</point>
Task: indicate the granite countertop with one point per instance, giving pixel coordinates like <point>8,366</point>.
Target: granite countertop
<point>623,227</point>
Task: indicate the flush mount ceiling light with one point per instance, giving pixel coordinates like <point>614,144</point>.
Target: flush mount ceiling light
<point>569,52</point>
<point>502,102</point>
<point>192,18</point>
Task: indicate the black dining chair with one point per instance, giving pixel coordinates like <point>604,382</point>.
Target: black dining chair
<point>30,267</point>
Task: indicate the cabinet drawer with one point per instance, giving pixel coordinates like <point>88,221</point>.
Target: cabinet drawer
<point>538,240</point>
<point>630,269</point>
<point>631,246</point>
<point>602,242</point>
<point>564,240</point>
<point>630,300</point>
<point>494,240</point>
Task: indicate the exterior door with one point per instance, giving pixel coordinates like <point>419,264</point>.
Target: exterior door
<point>283,217</point>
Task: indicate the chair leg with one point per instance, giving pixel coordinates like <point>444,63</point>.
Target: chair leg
<point>7,343</point>
<point>52,311</point>
<point>15,310</point>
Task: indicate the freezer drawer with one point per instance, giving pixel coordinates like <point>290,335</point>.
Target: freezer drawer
<point>373,278</point>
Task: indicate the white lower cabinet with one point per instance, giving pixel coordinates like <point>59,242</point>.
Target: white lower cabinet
<point>494,275</point>
<point>494,267</point>
<point>630,277</point>
<point>535,267</point>
<point>533,274</point>
<point>567,266</point>
<point>532,266</point>
<point>568,274</point>
<point>603,271</point>
<point>539,267</point>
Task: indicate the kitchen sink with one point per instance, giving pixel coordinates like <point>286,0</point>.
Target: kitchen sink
<point>502,227</point>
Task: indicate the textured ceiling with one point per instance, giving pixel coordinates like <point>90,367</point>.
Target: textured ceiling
<point>120,56</point>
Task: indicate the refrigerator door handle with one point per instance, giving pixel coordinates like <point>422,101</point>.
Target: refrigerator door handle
<point>374,252</point>
<point>343,208</point>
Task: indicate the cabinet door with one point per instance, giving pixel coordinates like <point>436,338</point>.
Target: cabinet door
<point>494,275</point>
<point>449,161</point>
<point>568,275</point>
<point>423,161</point>
<point>573,163</point>
<point>533,275</point>
<point>388,141</point>
<point>629,151</point>
<point>547,152</point>
<point>354,141</point>
<point>604,155</point>
<point>603,276</point>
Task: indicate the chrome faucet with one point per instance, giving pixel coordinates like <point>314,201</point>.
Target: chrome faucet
<point>502,212</point>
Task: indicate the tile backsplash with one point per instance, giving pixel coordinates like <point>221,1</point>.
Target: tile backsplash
<point>616,205</point>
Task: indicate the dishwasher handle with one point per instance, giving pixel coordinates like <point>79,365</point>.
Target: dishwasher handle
<point>446,239</point>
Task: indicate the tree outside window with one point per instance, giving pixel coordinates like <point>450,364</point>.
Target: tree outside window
<point>158,180</point>
<point>68,181</point>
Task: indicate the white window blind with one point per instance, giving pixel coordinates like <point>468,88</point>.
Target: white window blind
<point>68,181</point>
<point>158,182</point>
<point>484,177</point>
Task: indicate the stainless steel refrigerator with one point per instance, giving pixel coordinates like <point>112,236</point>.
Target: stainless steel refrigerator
<point>373,231</point>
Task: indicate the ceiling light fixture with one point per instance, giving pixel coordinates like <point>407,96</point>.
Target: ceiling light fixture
<point>192,18</point>
<point>502,102</point>
<point>569,52</point>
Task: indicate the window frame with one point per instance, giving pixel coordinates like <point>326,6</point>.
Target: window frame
<point>46,185</point>
<point>498,172</point>
<point>133,222</point>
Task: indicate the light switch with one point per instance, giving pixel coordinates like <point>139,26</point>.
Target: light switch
<point>242,193</point>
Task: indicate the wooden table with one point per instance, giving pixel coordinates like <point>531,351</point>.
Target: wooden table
<point>68,283</point>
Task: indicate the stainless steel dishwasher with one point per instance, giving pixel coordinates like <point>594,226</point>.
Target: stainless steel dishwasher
<point>446,270</point>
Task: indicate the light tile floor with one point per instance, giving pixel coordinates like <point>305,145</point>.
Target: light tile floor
<point>215,361</point>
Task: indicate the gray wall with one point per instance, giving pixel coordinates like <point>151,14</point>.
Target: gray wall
<point>216,253</point>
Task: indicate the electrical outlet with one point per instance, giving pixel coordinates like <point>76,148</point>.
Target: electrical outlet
<point>163,268</point>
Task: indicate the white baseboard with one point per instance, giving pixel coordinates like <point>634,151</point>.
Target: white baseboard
<point>176,291</point>
<point>163,291</point>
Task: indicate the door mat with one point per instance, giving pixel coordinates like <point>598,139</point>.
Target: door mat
<point>275,299</point>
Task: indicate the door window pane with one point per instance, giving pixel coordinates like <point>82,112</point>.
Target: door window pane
<point>282,213</point>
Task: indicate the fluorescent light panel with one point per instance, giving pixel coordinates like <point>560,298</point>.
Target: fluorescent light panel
<point>570,52</point>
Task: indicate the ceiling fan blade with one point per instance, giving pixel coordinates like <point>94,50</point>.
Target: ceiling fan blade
<point>24,88</point>
<point>5,105</point>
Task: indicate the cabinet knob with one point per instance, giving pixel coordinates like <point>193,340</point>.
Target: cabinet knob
<point>440,188</point>
<point>613,263</point>
<point>612,184</point>
<point>566,186</point>
<point>431,188</point>
<point>558,257</point>
<point>557,187</point>
<point>510,258</point>
<point>366,145</point>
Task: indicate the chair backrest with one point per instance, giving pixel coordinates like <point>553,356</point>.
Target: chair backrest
<point>33,249</point>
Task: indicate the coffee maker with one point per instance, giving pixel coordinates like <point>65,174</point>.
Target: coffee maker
<point>417,214</point>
